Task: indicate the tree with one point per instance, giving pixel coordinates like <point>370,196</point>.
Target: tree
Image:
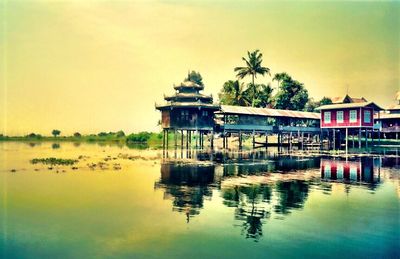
<point>195,77</point>
<point>120,134</point>
<point>325,101</point>
<point>312,105</point>
<point>77,135</point>
<point>279,77</point>
<point>253,68</point>
<point>232,93</point>
<point>55,133</point>
<point>263,95</point>
<point>291,95</point>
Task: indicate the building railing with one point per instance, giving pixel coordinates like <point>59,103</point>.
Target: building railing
<point>392,129</point>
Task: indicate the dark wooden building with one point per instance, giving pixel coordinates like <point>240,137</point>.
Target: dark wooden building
<point>188,110</point>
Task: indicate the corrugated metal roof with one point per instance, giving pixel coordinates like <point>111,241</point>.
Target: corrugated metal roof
<point>229,109</point>
<point>394,107</point>
<point>387,116</point>
<point>349,105</point>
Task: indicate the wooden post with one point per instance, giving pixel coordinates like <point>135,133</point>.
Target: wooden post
<point>334,138</point>
<point>302,141</point>
<point>254,140</point>
<point>347,136</point>
<point>266,139</point>
<point>226,142</point>
<point>372,137</point>
<point>167,139</point>
<point>196,140</point>
<point>163,140</point>
<point>366,138</point>
<point>187,139</point>
<point>212,140</point>
<point>379,135</point>
<point>240,140</point>
<point>359,138</point>
<point>181,139</point>
<point>290,141</point>
<point>175,139</point>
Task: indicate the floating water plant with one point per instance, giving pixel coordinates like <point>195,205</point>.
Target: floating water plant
<point>53,161</point>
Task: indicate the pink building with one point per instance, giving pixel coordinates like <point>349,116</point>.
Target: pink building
<point>348,115</point>
<point>356,117</point>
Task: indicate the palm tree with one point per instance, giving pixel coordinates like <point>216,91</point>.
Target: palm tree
<point>279,77</point>
<point>252,68</point>
<point>233,93</point>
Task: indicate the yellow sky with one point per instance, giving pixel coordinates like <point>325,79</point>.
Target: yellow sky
<point>93,66</point>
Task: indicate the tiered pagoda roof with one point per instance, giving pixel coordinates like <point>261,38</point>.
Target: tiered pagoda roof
<point>188,95</point>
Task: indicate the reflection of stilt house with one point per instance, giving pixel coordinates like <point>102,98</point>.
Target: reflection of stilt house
<point>354,171</point>
<point>189,110</point>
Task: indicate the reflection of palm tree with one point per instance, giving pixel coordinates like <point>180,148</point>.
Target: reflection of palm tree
<point>246,199</point>
<point>291,195</point>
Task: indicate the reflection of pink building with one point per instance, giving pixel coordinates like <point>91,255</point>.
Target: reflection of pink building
<point>336,170</point>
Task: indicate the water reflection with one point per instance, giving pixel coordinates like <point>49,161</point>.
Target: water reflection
<point>258,186</point>
<point>249,202</point>
<point>364,171</point>
<point>187,185</point>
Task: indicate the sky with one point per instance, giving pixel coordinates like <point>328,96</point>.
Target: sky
<point>92,66</point>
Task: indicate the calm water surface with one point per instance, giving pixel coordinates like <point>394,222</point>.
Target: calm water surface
<point>133,203</point>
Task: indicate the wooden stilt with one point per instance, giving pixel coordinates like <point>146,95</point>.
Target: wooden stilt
<point>175,139</point>
<point>187,139</point>
<point>181,139</point>
<point>240,140</point>
<point>254,140</point>
<point>347,136</point>
<point>196,138</point>
<point>167,137</point>
<point>334,139</point>
<point>212,140</point>
<point>359,138</point>
<point>163,140</point>
<point>266,139</point>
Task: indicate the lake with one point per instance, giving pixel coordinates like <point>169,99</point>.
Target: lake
<point>121,202</point>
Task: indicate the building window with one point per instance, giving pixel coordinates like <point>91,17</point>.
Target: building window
<point>367,116</point>
<point>327,117</point>
<point>185,115</point>
<point>339,117</point>
<point>205,113</point>
<point>353,116</point>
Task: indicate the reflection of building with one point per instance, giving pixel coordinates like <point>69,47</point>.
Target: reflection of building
<point>187,185</point>
<point>352,171</point>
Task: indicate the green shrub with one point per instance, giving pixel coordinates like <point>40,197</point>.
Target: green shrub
<point>139,137</point>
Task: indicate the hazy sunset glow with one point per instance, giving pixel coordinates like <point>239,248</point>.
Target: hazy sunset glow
<point>93,66</point>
